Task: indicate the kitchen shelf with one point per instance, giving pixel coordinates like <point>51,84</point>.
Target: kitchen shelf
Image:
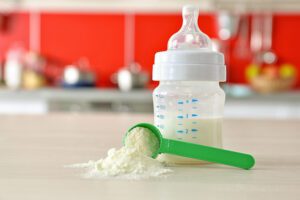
<point>281,105</point>
<point>73,100</point>
<point>141,95</point>
<point>78,95</point>
<point>148,6</point>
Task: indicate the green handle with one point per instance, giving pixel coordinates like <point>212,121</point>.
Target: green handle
<point>207,153</point>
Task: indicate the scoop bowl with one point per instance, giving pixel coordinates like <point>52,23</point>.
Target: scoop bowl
<point>153,130</point>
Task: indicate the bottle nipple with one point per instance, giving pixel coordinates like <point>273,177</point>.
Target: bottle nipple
<point>189,36</point>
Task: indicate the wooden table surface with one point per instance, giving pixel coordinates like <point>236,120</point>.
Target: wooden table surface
<point>34,149</point>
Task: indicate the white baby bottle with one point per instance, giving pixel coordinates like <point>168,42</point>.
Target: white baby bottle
<point>188,103</point>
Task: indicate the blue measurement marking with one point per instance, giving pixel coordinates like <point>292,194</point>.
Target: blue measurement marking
<point>180,102</point>
<point>194,130</point>
<point>194,115</point>
<point>179,124</point>
<point>180,131</point>
<point>187,116</point>
<point>180,116</point>
<point>162,107</point>
<point>180,109</point>
<point>187,101</point>
<point>161,126</point>
<point>160,116</point>
<point>195,100</point>
<point>194,107</point>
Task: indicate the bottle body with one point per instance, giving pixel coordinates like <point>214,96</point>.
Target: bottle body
<point>13,74</point>
<point>190,111</point>
<point>13,68</point>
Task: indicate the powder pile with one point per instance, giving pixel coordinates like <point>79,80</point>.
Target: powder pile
<point>133,161</point>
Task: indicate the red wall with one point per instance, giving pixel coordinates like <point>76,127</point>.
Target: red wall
<point>16,29</point>
<point>67,37</point>
<point>100,38</point>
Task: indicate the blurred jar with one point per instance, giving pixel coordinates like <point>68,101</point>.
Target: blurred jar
<point>13,67</point>
<point>130,77</point>
<point>33,77</point>
<point>79,75</point>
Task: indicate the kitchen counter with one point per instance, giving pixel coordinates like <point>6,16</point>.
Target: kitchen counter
<point>34,149</point>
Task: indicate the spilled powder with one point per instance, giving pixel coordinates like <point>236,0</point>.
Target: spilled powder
<point>133,161</point>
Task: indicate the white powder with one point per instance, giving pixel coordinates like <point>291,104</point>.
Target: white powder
<point>143,140</point>
<point>132,161</point>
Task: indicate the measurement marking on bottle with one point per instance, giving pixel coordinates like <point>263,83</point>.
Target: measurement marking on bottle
<point>194,100</point>
<point>180,102</point>
<point>194,107</point>
<point>161,126</point>
<point>160,116</point>
<point>194,137</point>
<point>194,122</point>
<point>179,124</point>
<point>183,131</point>
<point>194,115</point>
<point>160,96</point>
<point>187,101</point>
<point>180,109</point>
<point>194,130</point>
<point>162,107</point>
<point>187,116</point>
<point>180,116</point>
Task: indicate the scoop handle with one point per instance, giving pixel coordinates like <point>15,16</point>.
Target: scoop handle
<point>207,153</point>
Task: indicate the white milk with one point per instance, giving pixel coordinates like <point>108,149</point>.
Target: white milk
<point>206,131</point>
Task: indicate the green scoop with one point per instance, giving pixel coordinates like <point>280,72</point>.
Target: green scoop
<point>197,151</point>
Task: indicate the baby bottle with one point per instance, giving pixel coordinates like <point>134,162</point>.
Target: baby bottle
<point>188,103</point>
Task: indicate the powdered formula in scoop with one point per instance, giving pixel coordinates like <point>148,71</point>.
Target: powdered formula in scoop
<point>133,161</point>
<point>143,140</point>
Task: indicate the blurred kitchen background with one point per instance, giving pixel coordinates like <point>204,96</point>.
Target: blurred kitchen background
<point>97,55</point>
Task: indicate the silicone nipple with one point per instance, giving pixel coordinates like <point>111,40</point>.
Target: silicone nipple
<point>189,36</point>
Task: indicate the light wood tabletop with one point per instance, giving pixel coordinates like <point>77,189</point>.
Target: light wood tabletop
<point>35,149</point>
